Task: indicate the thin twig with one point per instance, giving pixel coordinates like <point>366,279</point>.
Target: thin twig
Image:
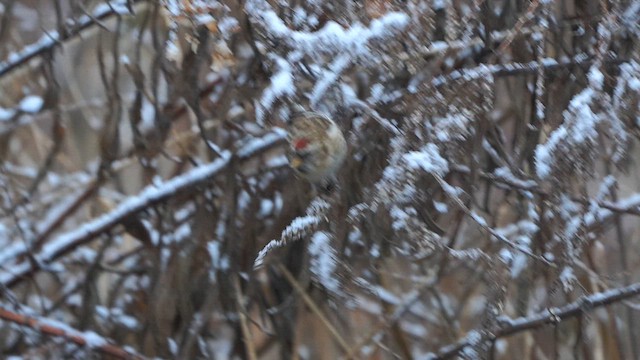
<point>314,308</point>
<point>510,327</point>
<point>47,44</point>
<point>487,228</point>
<point>149,196</point>
<point>91,340</point>
<point>246,332</point>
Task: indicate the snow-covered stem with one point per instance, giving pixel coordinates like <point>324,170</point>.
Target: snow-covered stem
<point>400,310</point>
<point>51,40</point>
<point>630,206</point>
<point>482,223</point>
<point>550,316</point>
<point>90,340</point>
<point>514,68</point>
<point>148,197</point>
<point>298,228</point>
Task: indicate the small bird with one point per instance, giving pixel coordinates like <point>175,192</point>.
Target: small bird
<point>317,148</point>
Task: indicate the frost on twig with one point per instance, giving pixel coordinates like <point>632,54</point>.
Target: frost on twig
<point>300,227</point>
<point>54,328</point>
<point>551,316</point>
<point>571,149</point>
<point>333,48</point>
<point>323,263</point>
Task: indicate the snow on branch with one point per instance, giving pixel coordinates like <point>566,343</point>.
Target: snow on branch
<point>149,196</point>
<point>510,326</point>
<point>299,228</point>
<point>451,192</point>
<point>515,68</point>
<point>281,85</point>
<point>324,261</point>
<point>572,147</point>
<point>342,45</point>
<point>51,39</point>
<point>332,38</point>
<point>83,338</point>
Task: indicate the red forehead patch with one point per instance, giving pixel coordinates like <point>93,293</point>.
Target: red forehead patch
<point>301,143</point>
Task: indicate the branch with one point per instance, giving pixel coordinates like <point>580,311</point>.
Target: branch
<point>629,205</point>
<point>314,308</point>
<point>51,39</point>
<point>510,327</point>
<point>53,328</point>
<point>149,196</point>
<point>514,68</point>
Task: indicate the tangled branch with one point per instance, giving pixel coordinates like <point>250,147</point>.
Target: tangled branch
<point>550,316</point>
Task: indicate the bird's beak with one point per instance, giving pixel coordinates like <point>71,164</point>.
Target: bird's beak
<point>295,162</point>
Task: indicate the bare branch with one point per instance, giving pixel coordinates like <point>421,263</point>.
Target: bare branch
<point>53,328</point>
<point>549,316</point>
<point>148,197</point>
<point>50,40</point>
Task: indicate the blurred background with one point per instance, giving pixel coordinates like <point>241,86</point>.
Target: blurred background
<point>491,187</point>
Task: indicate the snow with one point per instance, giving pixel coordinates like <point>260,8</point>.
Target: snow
<point>133,204</point>
<point>148,114</point>
<point>579,127</point>
<point>381,293</point>
<point>6,114</point>
<point>329,78</point>
<point>298,228</point>
<point>92,339</point>
<point>400,217</point>
<point>440,207</point>
<point>517,262</point>
<point>228,25</point>
<point>218,260</point>
<point>505,174</point>
<point>244,199</point>
<point>568,279</point>
<point>266,208</point>
<point>332,37</point>
<point>31,104</point>
<point>173,346</point>
<point>256,144</point>
<point>596,78</point>
<point>119,7</point>
<point>479,219</point>
<point>281,85</point>
<point>323,261</point>
<point>46,41</point>
<point>427,159</point>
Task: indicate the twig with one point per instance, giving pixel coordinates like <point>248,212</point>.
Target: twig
<point>623,207</point>
<point>487,228</point>
<point>516,29</point>
<point>314,308</point>
<point>510,327</point>
<point>90,340</point>
<point>514,68</point>
<point>149,196</point>
<point>409,300</point>
<point>246,332</point>
<point>47,43</point>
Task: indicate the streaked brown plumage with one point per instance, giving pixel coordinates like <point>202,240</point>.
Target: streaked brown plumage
<point>317,147</point>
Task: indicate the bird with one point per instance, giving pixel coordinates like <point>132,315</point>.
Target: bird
<point>317,148</point>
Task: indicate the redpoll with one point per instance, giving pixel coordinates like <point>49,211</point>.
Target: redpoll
<point>317,147</point>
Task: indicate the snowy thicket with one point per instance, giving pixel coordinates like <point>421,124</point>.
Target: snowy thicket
<point>488,207</point>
